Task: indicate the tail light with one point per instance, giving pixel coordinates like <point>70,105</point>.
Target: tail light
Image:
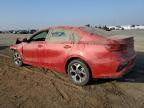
<point>113,45</point>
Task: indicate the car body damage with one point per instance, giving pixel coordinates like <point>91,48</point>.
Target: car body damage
<point>81,54</point>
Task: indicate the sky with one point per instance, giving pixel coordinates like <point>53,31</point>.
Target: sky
<point>28,14</point>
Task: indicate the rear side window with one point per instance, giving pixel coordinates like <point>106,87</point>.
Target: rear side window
<point>59,35</point>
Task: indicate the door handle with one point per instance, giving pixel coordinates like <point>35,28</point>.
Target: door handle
<point>40,46</point>
<point>67,46</point>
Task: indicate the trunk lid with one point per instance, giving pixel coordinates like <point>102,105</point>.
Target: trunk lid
<point>121,43</point>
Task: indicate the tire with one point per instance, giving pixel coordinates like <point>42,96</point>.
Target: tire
<point>78,72</point>
<point>17,59</point>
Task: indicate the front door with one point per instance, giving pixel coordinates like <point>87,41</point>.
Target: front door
<point>32,48</point>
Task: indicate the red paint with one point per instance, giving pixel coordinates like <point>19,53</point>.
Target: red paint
<point>102,54</point>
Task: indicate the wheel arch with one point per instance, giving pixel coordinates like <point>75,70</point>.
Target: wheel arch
<point>74,58</point>
<point>16,50</point>
<point>19,50</point>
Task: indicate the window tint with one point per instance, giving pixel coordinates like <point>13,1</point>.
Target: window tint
<point>39,37</point>
<point>59,35</point>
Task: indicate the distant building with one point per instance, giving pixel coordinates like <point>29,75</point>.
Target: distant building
<point>115,27</point>
<point>111,27</point>
<point>139,27</point>
<point>133,27</point>
<point>126,27</point>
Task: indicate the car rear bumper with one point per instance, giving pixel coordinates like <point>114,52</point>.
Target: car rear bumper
<point>115,67</point>
<point>130,65</point>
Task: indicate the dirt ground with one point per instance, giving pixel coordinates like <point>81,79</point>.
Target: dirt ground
<point>30,87</point>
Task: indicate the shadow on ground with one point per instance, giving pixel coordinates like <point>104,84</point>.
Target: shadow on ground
<point>137,74</point>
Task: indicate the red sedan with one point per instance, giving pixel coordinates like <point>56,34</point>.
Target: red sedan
<point>79,53</point>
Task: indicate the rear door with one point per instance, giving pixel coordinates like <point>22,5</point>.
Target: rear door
<point>58,46</point>
<point>32,52</point>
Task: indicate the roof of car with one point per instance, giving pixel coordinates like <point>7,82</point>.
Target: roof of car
<point>66,27</point>
<point>63,27</point>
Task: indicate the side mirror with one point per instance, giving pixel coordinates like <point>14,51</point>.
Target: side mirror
<point>18,41</point>
<point>25,40</point>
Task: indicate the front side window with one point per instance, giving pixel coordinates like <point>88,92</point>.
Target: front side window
<point>39,37</point>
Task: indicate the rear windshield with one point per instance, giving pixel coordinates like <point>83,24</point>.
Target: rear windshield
<point>100,32</point>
